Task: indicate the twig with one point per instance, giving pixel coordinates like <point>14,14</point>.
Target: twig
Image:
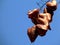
<point>42,5</point>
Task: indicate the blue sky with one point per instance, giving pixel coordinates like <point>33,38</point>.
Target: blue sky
<point>14,23</point>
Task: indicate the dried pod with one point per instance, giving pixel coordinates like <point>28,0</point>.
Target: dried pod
<point>32,34</point>
<point>51,5</point>
<point>41,31</point>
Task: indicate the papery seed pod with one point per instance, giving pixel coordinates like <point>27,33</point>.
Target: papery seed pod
<point>52,5</point>
<point>32,34</point>
<point>33,13</point>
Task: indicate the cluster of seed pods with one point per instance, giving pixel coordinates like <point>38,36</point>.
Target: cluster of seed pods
<point>41,20</point>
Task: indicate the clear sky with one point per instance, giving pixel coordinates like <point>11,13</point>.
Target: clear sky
<point>14,23</point>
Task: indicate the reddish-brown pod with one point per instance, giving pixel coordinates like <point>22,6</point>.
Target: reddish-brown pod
<point>32,34</point>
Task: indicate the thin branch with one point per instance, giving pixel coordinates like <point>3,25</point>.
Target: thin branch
<point>42,5</point>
